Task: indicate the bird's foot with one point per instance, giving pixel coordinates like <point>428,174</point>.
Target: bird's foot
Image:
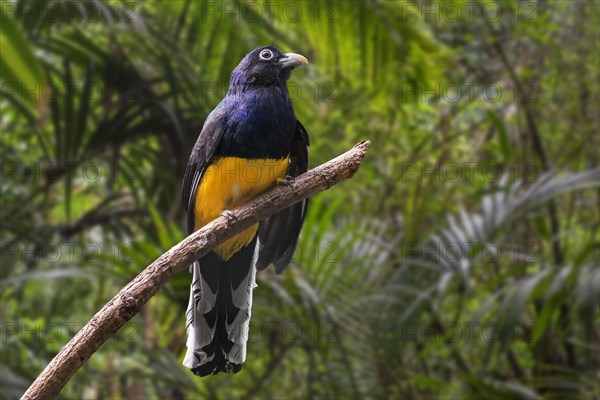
<point>229,215</point>
<point>287,181</point>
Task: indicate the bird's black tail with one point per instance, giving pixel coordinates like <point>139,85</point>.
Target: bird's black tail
<point>219,310</point>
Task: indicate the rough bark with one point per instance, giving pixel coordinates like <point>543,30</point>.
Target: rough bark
<point>132,297</point>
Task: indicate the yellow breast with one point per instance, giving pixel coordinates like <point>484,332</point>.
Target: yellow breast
<point>229,182</point>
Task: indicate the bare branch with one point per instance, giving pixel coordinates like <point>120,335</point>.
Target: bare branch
<point>132,297</point>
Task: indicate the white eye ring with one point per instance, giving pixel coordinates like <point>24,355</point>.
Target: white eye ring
<point>266,55</point>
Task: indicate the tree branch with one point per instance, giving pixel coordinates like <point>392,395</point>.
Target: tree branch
<point>132,297</point>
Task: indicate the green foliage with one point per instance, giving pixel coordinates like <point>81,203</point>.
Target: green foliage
<point>18,64</point>
<point>460,262</point>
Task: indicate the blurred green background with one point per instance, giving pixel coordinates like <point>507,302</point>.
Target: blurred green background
<point>460,262</point>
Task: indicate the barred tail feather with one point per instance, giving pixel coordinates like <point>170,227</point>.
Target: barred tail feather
<point>219,310</point>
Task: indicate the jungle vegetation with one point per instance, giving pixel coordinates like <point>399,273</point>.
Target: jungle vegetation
<point>462,261</point>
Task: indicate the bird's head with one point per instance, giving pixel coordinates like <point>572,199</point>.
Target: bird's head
<point>265,66</point>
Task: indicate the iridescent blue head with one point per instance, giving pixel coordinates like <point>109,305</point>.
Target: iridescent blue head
<point>265,66</point>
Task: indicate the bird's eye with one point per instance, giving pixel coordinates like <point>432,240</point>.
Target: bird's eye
<point>266,55</point>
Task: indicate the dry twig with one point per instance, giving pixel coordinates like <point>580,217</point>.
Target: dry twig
<point>132,297</point>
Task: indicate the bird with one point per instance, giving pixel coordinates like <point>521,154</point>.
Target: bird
<point>250,142</point>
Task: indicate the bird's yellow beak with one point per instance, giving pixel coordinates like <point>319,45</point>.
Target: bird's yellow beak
<point>293,60</point>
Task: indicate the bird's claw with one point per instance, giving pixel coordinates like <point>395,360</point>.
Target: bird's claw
<point>229,215</point>
<point>288,181</point>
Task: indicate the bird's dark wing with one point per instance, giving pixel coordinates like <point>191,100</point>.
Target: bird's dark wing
<point>201,156</point>
<point>278,234</point>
